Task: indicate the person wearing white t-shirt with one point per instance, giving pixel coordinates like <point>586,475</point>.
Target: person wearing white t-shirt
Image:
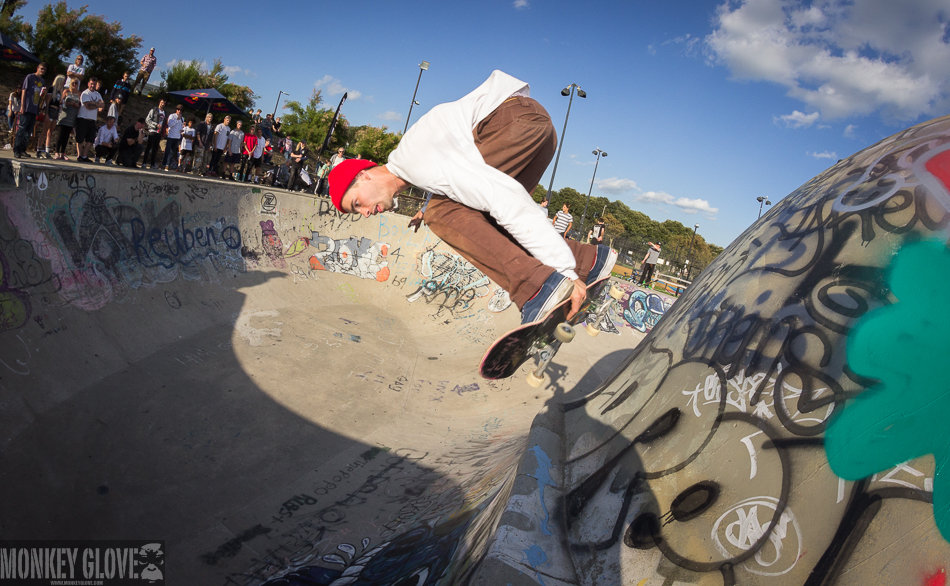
<point>76,70</point>
<point>86,121</point>
<point>174,125</point>
<point>187,146</point>
<point>233,155</point>
<point>218,142</point>
<point>107,140</point>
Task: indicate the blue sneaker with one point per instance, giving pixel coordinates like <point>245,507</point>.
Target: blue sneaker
<point>603,264</point>
<point>555,289</point>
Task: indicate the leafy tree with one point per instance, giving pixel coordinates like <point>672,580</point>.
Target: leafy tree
<point>310,122</point>
<point>59,31</point>
<point>374,143</point>
<point>11,25</point>
<point>182,75</point>
<point>191,75</point>
<point>540,192</point>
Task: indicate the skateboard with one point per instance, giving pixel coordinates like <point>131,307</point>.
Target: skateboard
<point>544,337</point>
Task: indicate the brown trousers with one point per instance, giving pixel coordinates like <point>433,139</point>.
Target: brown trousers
<point>519,140</point>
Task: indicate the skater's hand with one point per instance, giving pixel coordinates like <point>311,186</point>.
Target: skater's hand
<point>416,221</point>
<point>578,296</point>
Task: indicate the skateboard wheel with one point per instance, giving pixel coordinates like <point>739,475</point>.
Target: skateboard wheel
<point>592,329</point>
<point>564,333</point>
<point>536,381</point>
<point>616,292</point>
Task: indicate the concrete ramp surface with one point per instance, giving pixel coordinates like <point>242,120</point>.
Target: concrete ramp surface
<point>287,395</point>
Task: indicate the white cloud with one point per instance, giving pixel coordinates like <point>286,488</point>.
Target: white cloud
<point>797,119</point>
<point>521,4</point>
<point>841,57</point>
<point>391,115</point>
<point>616,185</point>
<point>825,155</point>
<point>849,131</point>
<point>331,86</point>
<point>686,205</point>
<point>691,206</point>
<point>658,197</point>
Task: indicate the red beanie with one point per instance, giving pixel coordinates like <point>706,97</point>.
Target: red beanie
<point>342,176</point>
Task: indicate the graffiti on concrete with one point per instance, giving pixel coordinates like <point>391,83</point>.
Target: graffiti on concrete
<point>903,347</point>
<point>87,248</point>
<point>719,426</point>
<point>360,257</point>
<point>448,281</point>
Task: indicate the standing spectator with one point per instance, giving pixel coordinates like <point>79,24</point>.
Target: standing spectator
<point>544,206</point>
<point>76,70</point>
<point>277,124</point>
<point>298,158</point>
<point>596,234</point>
<point>337,158</point>
<point>257,155</point>
<point>648,263</point>
<point>218,142</point>
<point>187,145</point>
<point>107,141</point>
<point>267,127</point>
<point>130,145</point>
<point>175,123</point>
<point>154,121</point>
<point>86,124</point>
<point>235,145</point>
<point>563,221</point>
<point>286,148</point>
<point>52,115</point>
<point>322,177</point>
<point>32,95</point>
<point>247,152</point>
<point>203,134</point>
<point>68,112</point>
<point>13,110</point>
<point>120,94</point>
<point>147,65</point>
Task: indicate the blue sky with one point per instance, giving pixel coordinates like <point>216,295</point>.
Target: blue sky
<point>702,106</point>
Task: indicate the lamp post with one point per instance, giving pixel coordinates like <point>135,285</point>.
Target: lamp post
<point>279,94</point>
<point>568,91</point>
<point>762,200</point>
<point>599,154</point>
<point>422,67</point>
<point>689,262</point>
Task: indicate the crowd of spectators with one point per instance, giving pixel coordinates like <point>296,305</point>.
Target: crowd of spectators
<point>46,116</point>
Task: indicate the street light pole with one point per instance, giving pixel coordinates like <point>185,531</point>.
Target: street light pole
<point>599,154</point>
<point>689,261</point>
<point>568,91</point>
<point>762,199</point>
<point>422,67</point>
<point>279,94</point>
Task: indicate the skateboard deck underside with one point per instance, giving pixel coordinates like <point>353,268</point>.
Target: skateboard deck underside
<point>513,349</point>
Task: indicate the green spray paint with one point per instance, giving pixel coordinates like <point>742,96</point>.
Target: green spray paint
<point>906,346</point>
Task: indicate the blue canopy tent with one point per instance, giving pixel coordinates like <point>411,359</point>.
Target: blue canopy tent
<point>11,50</point>
<point>209,100</point>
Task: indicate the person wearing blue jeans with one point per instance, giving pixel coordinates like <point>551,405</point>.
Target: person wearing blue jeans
<point>33,93</point>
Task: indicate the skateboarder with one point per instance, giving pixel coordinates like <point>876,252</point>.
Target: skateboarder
<point>480,156</point>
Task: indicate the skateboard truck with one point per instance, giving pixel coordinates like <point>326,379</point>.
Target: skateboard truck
<point>563,333</point>
<point>615,293</point>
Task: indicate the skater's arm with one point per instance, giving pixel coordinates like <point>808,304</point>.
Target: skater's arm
<point>487,189</point>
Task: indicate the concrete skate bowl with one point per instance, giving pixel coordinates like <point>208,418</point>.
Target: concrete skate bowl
<point>273,389</point>
<point>295,400</point>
